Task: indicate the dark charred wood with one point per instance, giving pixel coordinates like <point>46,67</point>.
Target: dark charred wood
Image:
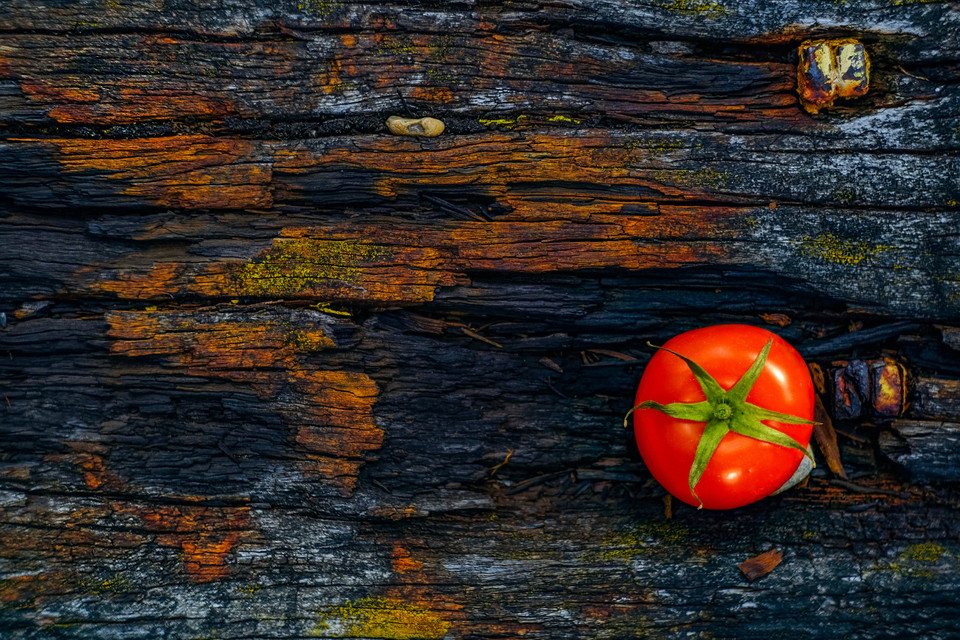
<point>268,371</point>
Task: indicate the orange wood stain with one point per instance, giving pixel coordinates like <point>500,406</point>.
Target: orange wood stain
<point>178,171</point>
<point>402,562</point>
<point>331,412</point>
<point>204,535</point>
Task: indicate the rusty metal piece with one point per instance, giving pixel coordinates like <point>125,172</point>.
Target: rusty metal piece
<point>851,384</point>
<point>831,69</point>
<point>874,387</point>
<point>888,388</point>
<point>425,127</point>
<point>761,565</point>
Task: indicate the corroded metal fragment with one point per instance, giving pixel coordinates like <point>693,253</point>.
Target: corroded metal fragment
<point>831,69</point>
<point>887,392</point>
<point>426,127</point>
<point>868,387</point>
<point>851,384</point>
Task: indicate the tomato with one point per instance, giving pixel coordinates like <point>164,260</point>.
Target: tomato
<point>742,468</point>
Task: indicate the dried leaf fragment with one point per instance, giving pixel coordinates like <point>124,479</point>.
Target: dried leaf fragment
<point>425,127</point>
<point>761,565</point>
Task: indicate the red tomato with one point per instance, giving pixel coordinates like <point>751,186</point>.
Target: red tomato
<point>742,469</point>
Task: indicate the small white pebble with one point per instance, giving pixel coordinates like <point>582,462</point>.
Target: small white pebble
<point>426,127</point>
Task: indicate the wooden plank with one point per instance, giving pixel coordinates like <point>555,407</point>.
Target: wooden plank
<point>929,28</point>
<point>929,451</point>
<point>269,372</point>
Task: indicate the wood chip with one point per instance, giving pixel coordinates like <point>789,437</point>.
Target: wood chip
<point>761,565</point>
<point>777,319</point>
<point>826,437</point>
<point>550,364</point>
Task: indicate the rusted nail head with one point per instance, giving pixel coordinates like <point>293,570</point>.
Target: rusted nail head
<point>831,69</point>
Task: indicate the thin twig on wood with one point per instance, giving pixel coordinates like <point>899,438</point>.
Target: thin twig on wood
<point>859,488</point>
<point>614,354</point>
<point>496,467</point>
<point>449,206</point>
<point>550,364</point>
<point>855,339</point>
<point>535,481</point>
<point>477,336</point>
<point>913,75</point>
<point>554,389</point>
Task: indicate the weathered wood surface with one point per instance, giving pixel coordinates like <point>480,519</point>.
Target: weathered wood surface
<point>270,372</point>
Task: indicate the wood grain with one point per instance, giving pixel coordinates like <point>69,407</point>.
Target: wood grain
<point>269,371</point>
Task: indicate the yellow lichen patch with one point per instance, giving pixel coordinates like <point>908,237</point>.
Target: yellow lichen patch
<point>832,248</point>
<point>925,552</point>
<point>494,122</point>
<point>705,178</point>
<point>922,560</point>
<point>319,8</point>
<point>296,265</point>
<point>249,589</point>
<point>326,264</point>
<point>380,618</point>
<point>695,7</point>
<point>114,584</point>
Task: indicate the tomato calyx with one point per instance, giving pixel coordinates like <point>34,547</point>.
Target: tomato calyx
<point>724,411</point>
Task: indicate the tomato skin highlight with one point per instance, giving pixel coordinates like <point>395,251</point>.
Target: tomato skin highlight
<point>743,469</point>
